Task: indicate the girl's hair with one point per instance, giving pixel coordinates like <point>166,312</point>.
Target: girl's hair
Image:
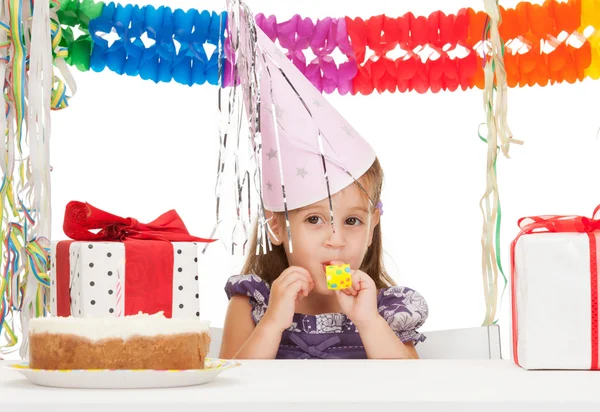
<point>268,266</point>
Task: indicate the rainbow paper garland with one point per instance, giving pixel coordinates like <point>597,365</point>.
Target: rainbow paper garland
<point>545,44</point>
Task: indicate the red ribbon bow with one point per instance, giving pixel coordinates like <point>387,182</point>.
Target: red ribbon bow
<point>81,217</point>
<point>558,223</point>
<point>149,261</point>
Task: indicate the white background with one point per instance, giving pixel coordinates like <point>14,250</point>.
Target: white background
<point>136,148</point>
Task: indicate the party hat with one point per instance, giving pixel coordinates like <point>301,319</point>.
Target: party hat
<point>301,149</point>
<point>309,151</point>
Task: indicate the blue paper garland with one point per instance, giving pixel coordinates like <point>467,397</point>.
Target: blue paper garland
<point>161,62</point>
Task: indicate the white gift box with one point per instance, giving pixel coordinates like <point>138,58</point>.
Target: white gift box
<point>97,279</point>
<point>555,301</point>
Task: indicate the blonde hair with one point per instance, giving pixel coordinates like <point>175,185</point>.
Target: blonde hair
<point>268,266</point>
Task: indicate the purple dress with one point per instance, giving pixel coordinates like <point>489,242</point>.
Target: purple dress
<point>333,335</point>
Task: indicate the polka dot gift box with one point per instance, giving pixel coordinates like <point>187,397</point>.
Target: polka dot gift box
<point>125,268</point>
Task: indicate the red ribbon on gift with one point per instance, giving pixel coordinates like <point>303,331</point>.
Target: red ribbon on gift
<point>561,224</point>
<point>143,241</point>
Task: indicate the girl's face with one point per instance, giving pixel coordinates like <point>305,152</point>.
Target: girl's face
<point>314,243</point>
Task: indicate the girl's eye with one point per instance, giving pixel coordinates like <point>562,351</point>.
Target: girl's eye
<point>313,220</point>
<point>353,221</point>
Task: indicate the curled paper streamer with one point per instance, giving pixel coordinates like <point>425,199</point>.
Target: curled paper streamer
<point>175,49</point>
<point>58,98</point>
<point>18,62</point>
<point>33,31</point>
<point>499,138</point>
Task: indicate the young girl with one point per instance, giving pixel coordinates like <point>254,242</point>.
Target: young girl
<point>282,309</point>
<point>314,163</point>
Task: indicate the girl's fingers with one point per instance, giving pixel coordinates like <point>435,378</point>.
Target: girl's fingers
<point>346,292</point>
<point>360,280</point>
<point>301,287</point>
<point>294,276</point>
<point>306,273</point>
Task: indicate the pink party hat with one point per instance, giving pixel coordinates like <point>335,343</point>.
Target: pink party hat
<point>308,149</point>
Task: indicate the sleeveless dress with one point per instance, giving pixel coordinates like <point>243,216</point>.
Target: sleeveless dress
<point>333,335</point>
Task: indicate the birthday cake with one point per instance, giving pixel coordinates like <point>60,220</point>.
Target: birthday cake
<point>130,342</point>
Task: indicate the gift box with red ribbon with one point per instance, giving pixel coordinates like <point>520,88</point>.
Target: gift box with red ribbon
<point>127,267</point>
<point>555,292</point>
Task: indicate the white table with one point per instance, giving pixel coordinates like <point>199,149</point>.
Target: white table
<point>310,385</point>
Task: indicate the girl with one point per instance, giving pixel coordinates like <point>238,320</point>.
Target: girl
<point>313,163</point>
<point>282,309</point>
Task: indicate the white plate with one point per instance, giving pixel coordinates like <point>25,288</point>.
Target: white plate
<point>124,379</point>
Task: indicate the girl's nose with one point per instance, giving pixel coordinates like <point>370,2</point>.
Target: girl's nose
<point>335,238</point>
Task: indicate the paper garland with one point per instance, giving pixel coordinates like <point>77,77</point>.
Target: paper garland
<point>74,13</point>
<point>549,43</point>
<point>407,35</point>
<point>322,37</point>
<point>177,51</point>
<point>545,44</point>
<point>441,38</point>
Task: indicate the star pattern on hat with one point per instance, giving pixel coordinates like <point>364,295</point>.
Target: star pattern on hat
<point>272,153</point>
<point>301,172</point>
<point>279,112</point>
<point>317,103</point>
<point>348,130</point>
<point>269,186</point>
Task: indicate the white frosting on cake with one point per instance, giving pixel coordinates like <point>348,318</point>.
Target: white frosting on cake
<point>112,327</point>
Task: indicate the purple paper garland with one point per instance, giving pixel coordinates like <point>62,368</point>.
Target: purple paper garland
<point>297,35</point>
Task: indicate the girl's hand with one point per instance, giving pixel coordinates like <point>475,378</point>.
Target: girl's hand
<point>289,288</point>
<point>359,302</point>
